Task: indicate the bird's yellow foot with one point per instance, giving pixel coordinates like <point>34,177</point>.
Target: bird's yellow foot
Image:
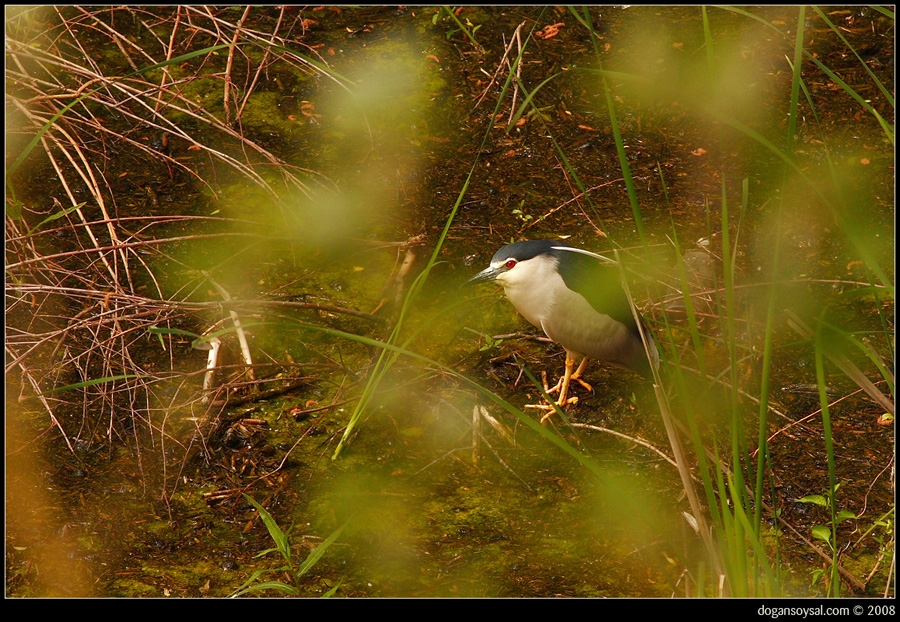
<point>559,383</point>
<point>563,401</point>
<point>562,387</point>
<point>576,375</point>
<point>583,383</point>
<point>552,407</point>
<point>549,409</point>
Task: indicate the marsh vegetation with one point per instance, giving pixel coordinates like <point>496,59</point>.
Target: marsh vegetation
<point>234,243</point>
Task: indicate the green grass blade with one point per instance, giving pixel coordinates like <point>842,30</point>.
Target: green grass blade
<point>835,583</point>
<point>279,537</point>
<point>92,383</point>
<point>385,359</point>
<point>837,31</point>
<point>317,553</point>
<point>617,133</point>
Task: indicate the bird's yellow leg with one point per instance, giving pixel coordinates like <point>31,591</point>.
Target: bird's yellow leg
<point>564,389</point>
<point>578,373</point>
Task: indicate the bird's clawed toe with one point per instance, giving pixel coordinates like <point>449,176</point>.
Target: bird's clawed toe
<point>583,383</point>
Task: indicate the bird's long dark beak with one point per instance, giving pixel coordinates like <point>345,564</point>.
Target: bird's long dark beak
<point>488,274</point>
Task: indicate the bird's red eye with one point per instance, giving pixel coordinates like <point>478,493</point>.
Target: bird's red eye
<point>510,263</point>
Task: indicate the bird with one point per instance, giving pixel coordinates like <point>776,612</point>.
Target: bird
<point>578,302</point>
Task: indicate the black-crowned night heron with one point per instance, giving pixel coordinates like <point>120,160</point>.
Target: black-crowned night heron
<point>577,301</point>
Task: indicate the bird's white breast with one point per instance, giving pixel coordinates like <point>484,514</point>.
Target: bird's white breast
<point>538,292</point>
<point>531,287</point>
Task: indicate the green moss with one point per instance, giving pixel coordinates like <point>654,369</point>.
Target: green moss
<point>264,113</point>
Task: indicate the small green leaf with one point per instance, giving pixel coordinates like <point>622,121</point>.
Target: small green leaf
<point>816,499</point>
<point>55,216</point>
<point>845,515</point>
<point>822,533</point>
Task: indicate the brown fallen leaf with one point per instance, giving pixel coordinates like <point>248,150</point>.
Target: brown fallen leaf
<point>548,32</point>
